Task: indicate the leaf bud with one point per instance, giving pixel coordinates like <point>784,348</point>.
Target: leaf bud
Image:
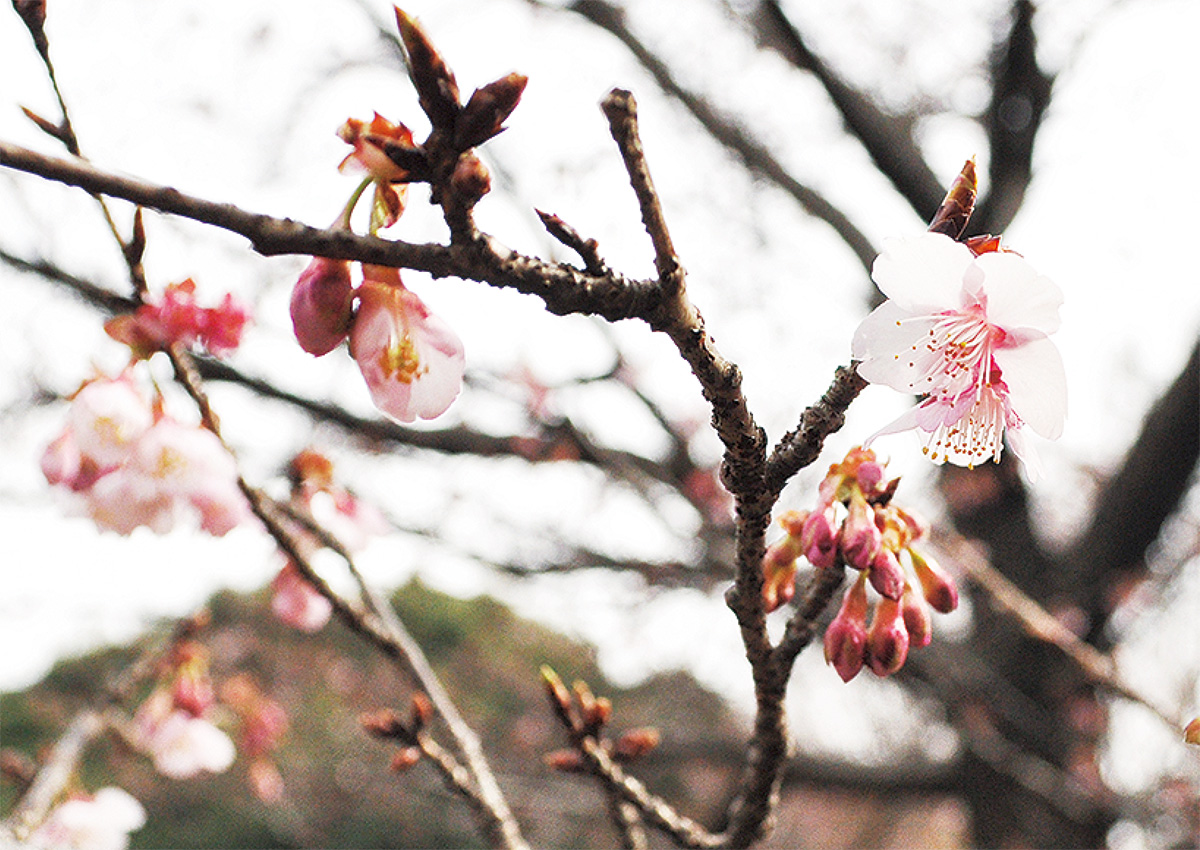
<point>437,90</point>
<point>636,743</point>
<point>487,110</point>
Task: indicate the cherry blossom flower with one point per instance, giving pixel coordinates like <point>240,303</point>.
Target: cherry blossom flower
<point>372,143</point>
<point>181,744</point>
<point>970,333</point>
<point>100,822</point>
<point>132,466</point>
<point>107,418</point>
<point>296,602</point>
<point>411,360</point>
<point>177,317</point>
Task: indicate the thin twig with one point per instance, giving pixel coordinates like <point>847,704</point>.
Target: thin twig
<point>1040,624</point>
<point>54,774</point>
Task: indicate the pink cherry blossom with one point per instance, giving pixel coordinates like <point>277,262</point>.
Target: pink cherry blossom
<point>100,822</point>
<point>181,745</point>
<point>296,602</point>
<point>177,317</point>
<point>131,467</point>
<point>411,360</point>
<point>107,418</point>
<point>971,335</point>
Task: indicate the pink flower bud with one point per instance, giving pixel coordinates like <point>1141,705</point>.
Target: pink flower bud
<point>938,588</point>
<point>870,475</point>
<point>321,305</point>
<point>819,538</point>
<point>916,618</point>
<point>846,635</point>
<point>411,360</point>
<point>887,577</point>
<point>860,537</point>
<point>887,640</point>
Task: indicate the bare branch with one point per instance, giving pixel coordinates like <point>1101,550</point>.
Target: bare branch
<point>726,131</point>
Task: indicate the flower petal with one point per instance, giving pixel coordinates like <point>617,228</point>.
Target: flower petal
<point>1037,384</point>
<point>923,274</point>
<point>890,344</point>
<point>1017,296</point>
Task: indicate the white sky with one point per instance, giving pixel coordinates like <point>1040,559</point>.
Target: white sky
<point>236,101</point>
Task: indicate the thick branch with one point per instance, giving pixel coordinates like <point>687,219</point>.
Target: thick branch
<point>564,288</point>
<point>887,138</point>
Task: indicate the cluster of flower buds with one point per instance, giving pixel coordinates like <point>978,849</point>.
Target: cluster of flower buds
<point>133,465</point>
<point>856,523</point>
<point>177,318</point>
<point>100,820</point>
<point>173,724</point>
<point>586,716</point>
<point>410,733</point>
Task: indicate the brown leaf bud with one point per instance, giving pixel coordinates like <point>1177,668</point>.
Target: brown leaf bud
<point>952,216</point>
<point>471,179</point>
<point>422,711</point>
<point>437,90</point>
<point>597,714</point>
<point>568,761</point>
<point>383,723</point>
<point>33,13</point>
<point>555,688</point>
<point>487,110</point>
<point>405,759</point>
<point>636,743</point>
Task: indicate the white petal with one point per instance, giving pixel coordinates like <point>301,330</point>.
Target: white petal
<point>1037,384</point>
<point>923,274</point>
<point>891,346</point>
<point>1017,296</point>
<point>1023,448</point>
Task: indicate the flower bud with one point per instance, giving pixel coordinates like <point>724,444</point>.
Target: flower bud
<point>321,307</point>
<point>568,761</point>
<point>846,635</point>
<point>384,723</point>
<point>887,640</point>
<point>860,537</point>
<point>779,573</point>
<point>1191,733</point>
<point>636,743</point>
<point>405,759</point>
<point>916,618</point>
<point>938,588</point>
<point>887,577</point>
<point>422,710</point>
<point>471,179</point>
<point>819,539</point>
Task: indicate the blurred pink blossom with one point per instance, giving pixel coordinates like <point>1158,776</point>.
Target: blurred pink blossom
<point>100,822</point>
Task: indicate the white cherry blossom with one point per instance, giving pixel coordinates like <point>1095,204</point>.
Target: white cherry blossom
<point>970,334</point>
